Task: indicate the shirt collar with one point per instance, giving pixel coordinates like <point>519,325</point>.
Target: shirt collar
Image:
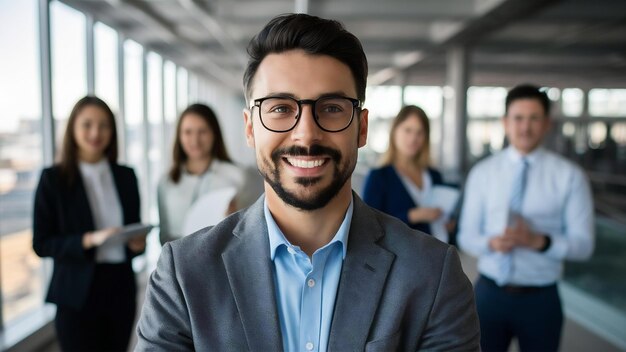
<point>96,168</point>
<point>277,238</point>
<point>515,156</point>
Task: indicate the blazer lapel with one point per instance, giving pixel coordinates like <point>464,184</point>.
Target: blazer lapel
<point>249,269</point>
<point>362,282</point>
<point>82,204</point>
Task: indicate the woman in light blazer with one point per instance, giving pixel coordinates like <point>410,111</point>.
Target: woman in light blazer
<point>200,164</point>
<point>80,202</point>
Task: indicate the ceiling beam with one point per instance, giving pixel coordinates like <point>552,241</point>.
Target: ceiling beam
<point>144,16</point>
<point>215,28</point>
<point>490,16</point>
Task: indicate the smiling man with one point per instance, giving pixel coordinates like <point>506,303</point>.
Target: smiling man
<point>308,267</point>
<point>525,210</point>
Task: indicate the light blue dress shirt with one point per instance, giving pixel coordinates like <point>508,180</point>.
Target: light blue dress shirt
<point>557,202</point>
<point>306,289</point>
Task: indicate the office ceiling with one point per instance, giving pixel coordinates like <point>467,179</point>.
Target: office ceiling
<point>561,43</point>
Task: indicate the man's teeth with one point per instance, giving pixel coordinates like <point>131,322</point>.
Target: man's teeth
<point>305,164</point>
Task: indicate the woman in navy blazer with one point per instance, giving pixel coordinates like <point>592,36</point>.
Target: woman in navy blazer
<point>400,185</point>
<point>94,294</point>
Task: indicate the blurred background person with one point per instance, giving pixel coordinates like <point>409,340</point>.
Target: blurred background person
<point>79,203</point>
<point>525,211</point>
<point>200,165</point>
<point>402,185</point>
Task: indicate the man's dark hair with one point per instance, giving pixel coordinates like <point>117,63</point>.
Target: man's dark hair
<point>528,91</point>
<point>315,36</point>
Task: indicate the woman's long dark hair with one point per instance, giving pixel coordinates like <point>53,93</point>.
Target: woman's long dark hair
<point>218,150</point>
<point>68,158</point>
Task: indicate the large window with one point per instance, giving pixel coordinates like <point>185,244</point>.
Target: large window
<point>169,108</point>
<point>485,134</point>
<point>607,102</point>
<point>20,158</point>
<point>69,82</point>
<point>572,102</point>
<point>485,102</point>
<point>155,141</point>
<point>383,103</point>
<point>106,65</point>
<point>193,88</point>
<point>133,100</point>
<point>183,80</point>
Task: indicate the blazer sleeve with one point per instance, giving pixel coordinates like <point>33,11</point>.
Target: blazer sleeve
<point>47,239</point>
<point>132,208</point>
<point>164,226</point>
<point>453,321</point>
<point>164,324</point>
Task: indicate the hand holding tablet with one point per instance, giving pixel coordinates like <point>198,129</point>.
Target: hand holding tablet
<point>127,233</point>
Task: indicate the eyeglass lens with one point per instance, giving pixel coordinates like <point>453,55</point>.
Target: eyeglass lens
<point>332,114</point>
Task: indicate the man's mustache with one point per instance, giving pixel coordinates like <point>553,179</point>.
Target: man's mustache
<point>313,150</point>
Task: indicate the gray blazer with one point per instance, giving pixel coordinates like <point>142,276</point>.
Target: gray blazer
<point>399,290</point>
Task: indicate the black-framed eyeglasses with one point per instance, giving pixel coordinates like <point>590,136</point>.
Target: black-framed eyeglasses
<point>281,114</point>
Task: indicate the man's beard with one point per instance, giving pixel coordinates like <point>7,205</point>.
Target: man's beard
<point>341,174</point>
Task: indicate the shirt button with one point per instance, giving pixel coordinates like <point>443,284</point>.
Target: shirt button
<point>309,346</point>
<point>311,283</point>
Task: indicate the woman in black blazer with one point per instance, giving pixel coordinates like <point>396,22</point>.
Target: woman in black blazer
<point>405,173</point>
<point>79,203</point>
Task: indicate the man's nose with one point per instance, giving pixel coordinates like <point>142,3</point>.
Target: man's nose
<point>306,130</point>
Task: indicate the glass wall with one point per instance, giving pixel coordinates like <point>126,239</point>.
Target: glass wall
<point>156,145</point>
<point>170,110</point>
<point>69,64</point>
<point>133,113</point>
<point>383,103</point>
<point>182,96</point>
<point>106,65</point>
<point>21,158</point>
<point>153,95</point>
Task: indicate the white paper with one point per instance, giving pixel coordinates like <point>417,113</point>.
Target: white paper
<point>444,198</point>
<point>208,210</point>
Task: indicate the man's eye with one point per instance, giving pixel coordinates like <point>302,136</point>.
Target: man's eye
<point>280,109</point>
<point>332,109</point>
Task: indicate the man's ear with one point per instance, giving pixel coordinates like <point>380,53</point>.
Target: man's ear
<point>363,127</point>
<point>505,123</point>
<point>247,118</point>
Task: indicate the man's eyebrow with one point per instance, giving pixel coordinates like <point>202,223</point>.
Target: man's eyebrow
<point>291,95</point>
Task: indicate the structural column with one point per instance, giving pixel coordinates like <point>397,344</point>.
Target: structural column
<point>45,67</point>
<point>454,119</point>
<point>90,52</point>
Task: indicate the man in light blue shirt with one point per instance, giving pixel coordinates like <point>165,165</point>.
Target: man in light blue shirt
<point>306,287</point>
<point>309,266</point>
<point>525,210</point>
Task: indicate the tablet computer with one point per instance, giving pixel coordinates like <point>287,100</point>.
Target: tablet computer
<point>128,232</point>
